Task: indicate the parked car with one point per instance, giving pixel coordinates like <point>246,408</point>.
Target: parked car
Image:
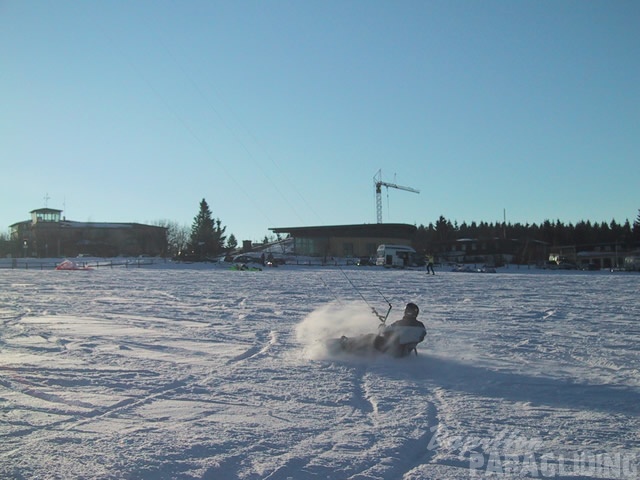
<point>244,258</point>
<point>567,266</point>
<point>365,262</point>
<point>590,267</point>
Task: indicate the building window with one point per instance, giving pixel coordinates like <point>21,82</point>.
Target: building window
<point>304,246</point>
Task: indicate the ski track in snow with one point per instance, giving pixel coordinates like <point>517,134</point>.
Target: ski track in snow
<point>179,373</point>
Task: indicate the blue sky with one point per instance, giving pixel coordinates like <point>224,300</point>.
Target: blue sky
<point>280,113</point>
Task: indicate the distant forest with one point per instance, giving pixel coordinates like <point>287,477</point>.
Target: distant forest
<point>554,233</point>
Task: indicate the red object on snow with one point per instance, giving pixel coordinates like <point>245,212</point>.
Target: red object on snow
<point>69,265</point>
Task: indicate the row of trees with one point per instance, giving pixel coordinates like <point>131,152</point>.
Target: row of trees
<point>553,233</point>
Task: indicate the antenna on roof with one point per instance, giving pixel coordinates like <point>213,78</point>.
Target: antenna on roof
<point>46,199</point>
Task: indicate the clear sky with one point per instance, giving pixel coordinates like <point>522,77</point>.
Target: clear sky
<point>279,113</point>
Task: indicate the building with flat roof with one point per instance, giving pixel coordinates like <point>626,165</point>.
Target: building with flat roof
<point>47,234</point>
<point>354,241</point>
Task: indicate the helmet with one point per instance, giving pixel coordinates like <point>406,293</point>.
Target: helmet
<point>411,309</point>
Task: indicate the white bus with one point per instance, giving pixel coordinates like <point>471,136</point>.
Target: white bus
<point>394,256</point>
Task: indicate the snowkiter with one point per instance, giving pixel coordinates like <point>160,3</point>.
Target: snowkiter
<point>398,339</point>
<point>401,337</point>
<point>430,264</point>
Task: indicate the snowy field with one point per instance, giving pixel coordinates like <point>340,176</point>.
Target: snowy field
<point>202,372</point>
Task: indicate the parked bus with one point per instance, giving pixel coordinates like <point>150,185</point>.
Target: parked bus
<point>395,256</point>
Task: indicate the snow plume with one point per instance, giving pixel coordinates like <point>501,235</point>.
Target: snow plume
<point>333,321</point>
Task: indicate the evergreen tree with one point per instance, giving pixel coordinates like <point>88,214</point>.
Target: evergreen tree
<point>232,243</point>
<point>444,229</point>
<point>626,234</point>
<point>583,233</point>
<point>207,234</point>
<point>219,236</point>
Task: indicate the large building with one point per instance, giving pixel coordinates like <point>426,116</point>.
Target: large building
<point>347,240</point>
<point>49,235</point>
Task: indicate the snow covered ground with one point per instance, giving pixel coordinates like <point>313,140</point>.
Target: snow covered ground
<point>197,371</point>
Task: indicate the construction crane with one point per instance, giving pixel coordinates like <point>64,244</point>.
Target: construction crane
<point>377,181</point>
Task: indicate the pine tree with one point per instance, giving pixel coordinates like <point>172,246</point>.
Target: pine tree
<point>232,243</point>
<point>207,234</point>
<point>444,229</point>
<point>219,237</point>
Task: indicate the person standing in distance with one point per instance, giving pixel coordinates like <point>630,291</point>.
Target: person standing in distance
<point>430,264</point>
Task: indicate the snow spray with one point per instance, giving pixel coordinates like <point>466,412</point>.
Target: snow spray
<point>333,320</point>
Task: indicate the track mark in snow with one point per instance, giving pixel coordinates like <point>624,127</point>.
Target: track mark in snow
<point>73,421</point>
<point>23,386</point>
<point>264,343</point>
<point>292,468</point>
<point>422,449</point>
<point>132,402</point>
<point>363,399</point>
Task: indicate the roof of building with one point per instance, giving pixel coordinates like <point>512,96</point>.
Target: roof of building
<point>67,224</point>
<point>73,224</point>
<point>46,210</point>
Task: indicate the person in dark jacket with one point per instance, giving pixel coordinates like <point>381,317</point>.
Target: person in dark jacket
<point>401,337</point>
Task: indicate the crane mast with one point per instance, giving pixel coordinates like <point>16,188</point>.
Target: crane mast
<point>377,181</point>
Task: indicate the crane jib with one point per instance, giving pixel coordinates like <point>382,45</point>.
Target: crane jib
<point>377,180</point>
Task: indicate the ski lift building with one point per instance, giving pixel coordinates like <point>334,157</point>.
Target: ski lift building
<point>347,241</point>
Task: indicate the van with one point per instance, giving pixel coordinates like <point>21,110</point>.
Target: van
<point>394,256</point>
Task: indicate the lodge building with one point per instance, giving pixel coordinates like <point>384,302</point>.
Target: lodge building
<point>49,235</point>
